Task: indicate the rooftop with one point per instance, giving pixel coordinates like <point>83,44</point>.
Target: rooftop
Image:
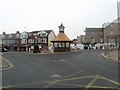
<point>61,37</point>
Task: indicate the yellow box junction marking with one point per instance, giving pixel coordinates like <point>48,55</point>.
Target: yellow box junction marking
<point>92,82</point>
<point>89,85</point>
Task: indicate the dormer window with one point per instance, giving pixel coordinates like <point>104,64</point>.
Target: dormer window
<point>10,36</point>
<point>17,35</point>
<point>24,35</point>
<point>42,34</point>
<point>3,36</point>
<point>35,34</point>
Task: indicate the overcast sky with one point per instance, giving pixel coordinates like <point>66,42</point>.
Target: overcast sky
<point>75,15</point>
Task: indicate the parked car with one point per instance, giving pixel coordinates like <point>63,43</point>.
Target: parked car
<point>3,50</point>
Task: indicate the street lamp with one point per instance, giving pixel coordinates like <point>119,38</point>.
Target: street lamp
<point>26,41</point>
<point>118,13</point>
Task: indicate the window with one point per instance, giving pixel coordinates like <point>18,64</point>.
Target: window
<point>34,34</point>
<point>3,36</point>
<point>93,33</point>
<point>92,40</point>
<point>24,35</point>
<point>67,44</point>
<point>63,44</point>
<point>30,34</point>
<point>43,40</point>
<point>39,40</point>
<point>31,41</point>
<point>59,44</point>
<point>55,44</point>
<point>101,40</point>
<point>111,33</point>
<point>17,35</point>
<point>10,36</point>
<point>111,40</point>
<point>43,34</point>
<point>23,41</point>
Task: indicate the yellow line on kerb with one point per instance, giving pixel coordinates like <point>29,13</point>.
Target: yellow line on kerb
<point>91,82</point>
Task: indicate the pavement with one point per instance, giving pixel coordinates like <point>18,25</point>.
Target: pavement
<point>4,63</point>
<point>108,58</point>
<point>48,52</point>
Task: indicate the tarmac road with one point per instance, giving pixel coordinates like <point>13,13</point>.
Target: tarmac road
<point>84,69</point>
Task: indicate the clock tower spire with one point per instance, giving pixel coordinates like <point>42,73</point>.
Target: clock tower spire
<point>61,28</point>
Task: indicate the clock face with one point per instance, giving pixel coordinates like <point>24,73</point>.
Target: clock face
<point>61,29</point>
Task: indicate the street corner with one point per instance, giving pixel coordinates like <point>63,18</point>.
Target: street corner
<point>5,64</point>
<point>87,82</point>
<point>102,55</point>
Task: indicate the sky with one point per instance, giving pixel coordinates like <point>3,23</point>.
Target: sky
<point>76,15</point>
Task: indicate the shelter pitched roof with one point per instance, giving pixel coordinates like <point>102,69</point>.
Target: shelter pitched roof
<point>61,37</point>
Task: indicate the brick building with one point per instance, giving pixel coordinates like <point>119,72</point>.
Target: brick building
<point>11,41</point>
<point>41,38</point>
<point>93,36</point>
<point>111,35</point>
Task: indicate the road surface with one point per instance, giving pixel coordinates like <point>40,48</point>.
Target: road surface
<point>84,69</point>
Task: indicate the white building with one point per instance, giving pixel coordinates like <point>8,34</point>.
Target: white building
<point>0,41</point>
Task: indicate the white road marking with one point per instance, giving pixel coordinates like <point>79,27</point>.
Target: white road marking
<point>11,65</point>
<point>67,62</point>
<point>72,74</point>
<point>55,76</point>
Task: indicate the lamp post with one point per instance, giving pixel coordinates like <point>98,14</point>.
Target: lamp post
<point>26,41</point>
<point>118,13</point>
<point>35,46</point>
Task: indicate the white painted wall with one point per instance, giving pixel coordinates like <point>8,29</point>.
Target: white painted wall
<point>24,37</point>
<point>0,39</point>
<point>51,36</point>
<point>80,46</point>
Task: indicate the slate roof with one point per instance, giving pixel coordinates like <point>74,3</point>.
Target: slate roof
<point>47,31</point>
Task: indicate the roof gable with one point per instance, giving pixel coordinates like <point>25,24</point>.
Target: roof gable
<point>61,37</point>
